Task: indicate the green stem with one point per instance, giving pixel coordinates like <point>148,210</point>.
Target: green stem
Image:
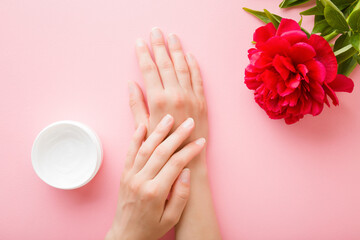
<point>331,36</point>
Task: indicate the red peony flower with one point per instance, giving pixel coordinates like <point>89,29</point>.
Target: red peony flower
<point>291,74</point>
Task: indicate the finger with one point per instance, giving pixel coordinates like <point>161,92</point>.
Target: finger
<point>178,59</point>
<point>167,148</point>
<point>148,68</point>
<point>135,144</point>
<point>137,104</point>
<point>196,79</point>
<point>162,59</point>
<point>148,147</point>
<point>178,199</point>
<point>176,163</point>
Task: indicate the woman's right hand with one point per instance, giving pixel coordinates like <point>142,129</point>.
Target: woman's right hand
<point>152,171</point>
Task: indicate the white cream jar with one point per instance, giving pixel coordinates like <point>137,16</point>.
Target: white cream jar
<point>66,154</point>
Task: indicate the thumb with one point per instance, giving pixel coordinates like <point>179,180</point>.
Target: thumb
<point>178,199</point>
<point>137,104</point>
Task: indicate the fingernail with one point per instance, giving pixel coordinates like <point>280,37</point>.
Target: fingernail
<point>189,56</point>
<point>200,141</point>
<point>173,39</point>
<point>166,120</point>
<point>156,33</point>
<point>185,175</point>
<point>140,42</point>
<point>189,123</point>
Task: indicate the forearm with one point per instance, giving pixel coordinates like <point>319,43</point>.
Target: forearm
<point>198,220</point>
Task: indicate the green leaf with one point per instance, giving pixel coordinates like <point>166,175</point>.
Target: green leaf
<point>354,20</point>
<point>292,3</point>
<point>272,18</point>
<point>355,41</point>
<point>261,15</point>
<point>342,4</point>
<point>345,53</point>
<point>321,26</point>
<point>320,6</point>
<point>264,18</point>
<point>312,11</point>
<point>341,42</point>
<point>335,17</point>
<point>349,9</point>
<point>347,66</point>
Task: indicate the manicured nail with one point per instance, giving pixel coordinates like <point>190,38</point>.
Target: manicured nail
<point>156,33</point>
<point>166,120</point>
<point>185,175</point>
<point>200,141</point>
<point>189,56</point>
<point>173,39</point>
<point>189,123</point>
<point>140,42</point>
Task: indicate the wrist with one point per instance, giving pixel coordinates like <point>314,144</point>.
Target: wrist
<point>198,164</point>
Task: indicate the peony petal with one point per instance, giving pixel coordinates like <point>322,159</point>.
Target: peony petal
<point>260,60</point>
<point>331,94</point>
<point>293,119</point>
<point>306,106</point>
<point>287,25</point>
<point>294,81</point>
<point>288,63</point>
<point>275,45</point>
<point>280,68</point>
<point>293,98</point>
<point>325,55</point>
<point>316,108</point>
<point>317,71</point>
<point>317,92</point>
<point>270,79</point>
<point>283,90</point>
<point>302,69</point>
<point>342,84</point>
<point>251,82</point>
<point>262,34</point>
<point>294,36</point>
<point>302,52</point>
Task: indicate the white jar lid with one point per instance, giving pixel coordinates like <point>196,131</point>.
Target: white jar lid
<point>66,154</point>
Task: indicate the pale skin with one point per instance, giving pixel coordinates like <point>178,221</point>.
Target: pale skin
<point>153,170</point>
<point>162,165</point>
<point>174,85</point>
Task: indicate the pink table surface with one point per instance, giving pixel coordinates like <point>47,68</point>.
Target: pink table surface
<point>72,60</point>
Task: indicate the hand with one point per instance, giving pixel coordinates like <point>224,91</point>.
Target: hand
<point>151,172</point>
<point>173,85</point>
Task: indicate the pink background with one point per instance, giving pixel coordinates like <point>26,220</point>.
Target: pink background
<point>72,60</point>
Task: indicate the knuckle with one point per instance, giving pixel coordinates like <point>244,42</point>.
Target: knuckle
<point>165,64</point>
<point>134,186</point>
<point>161,152</point>
<point>178,162</point>
<point>183,194</point>
<point>132,102</point>
<point>144,152</point>
<point>146,67</point>
<point>159,102</point>
<point>181,69</point>
<point>172,220</point>
<point>150,192</point>
<point>179,100</point>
